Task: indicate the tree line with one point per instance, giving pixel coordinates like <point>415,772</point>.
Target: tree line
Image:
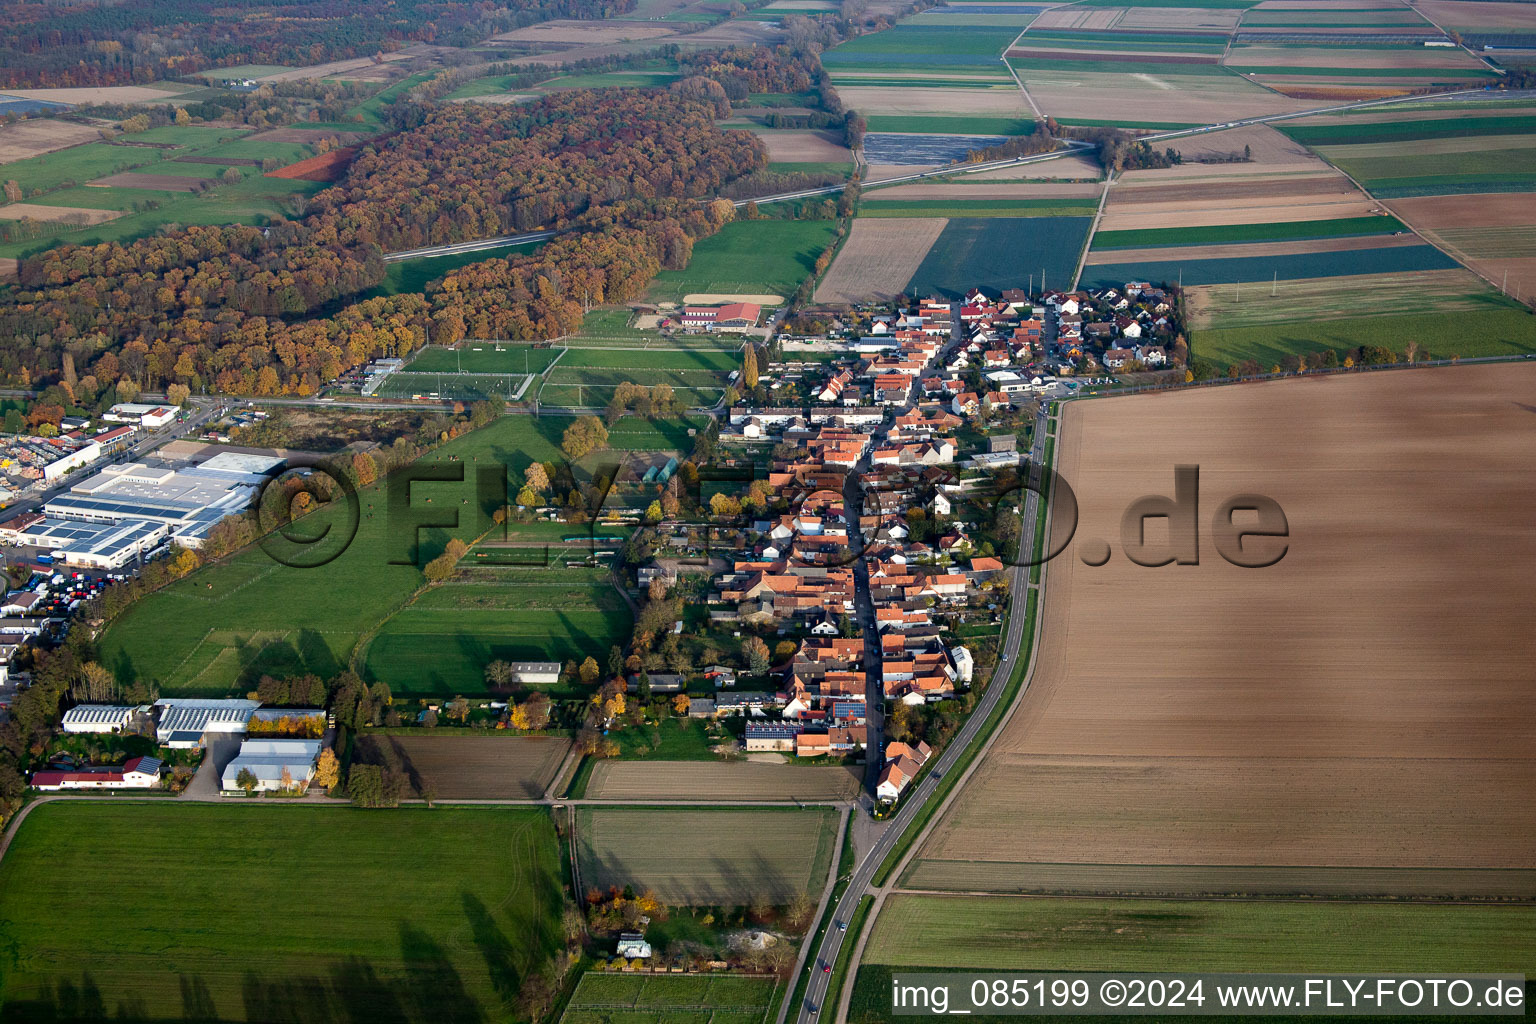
<point>624,172</point>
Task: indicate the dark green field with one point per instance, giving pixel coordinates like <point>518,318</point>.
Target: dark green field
<point>916,45</point>
<point>999,252</point>
<point>217,631</point>
<point>167,911</point>
<point>1346,133</point>
<point>1217,234</point>
<point>1498,332</point>
<point>1388,260</point>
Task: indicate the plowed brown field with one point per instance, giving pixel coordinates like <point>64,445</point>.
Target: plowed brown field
<point>1365,703</point>
<point>469,767</point>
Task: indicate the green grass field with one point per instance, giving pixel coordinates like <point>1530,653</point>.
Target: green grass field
<point>1495,332</point>
<point>1352,133</point>
<point>721,360</point>
<point>920,44</point>
<point>749,257</point>
<point>731,858</point>
<point>1219,234</point>
<point>452,386</point>
<point>1217,935</point>
<point>268,912</point>
<point>997,252</point>
<point>1394,175</point>
<point>483,357</point>
<point>711,999</point>
<point>873,206</point>
<point>218,630</point>
<point>453,631</point>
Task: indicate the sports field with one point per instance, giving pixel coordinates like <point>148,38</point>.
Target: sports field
<point>1391,744</point>
<point>731,857</point>
<point>440,642</point>
<point>221,628</point>
<point>409,915</point>
<point>602,998</point>
<point>756,257</point>
<point>996,252</point>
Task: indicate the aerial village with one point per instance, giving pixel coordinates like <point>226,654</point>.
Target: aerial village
<point>852,553</point>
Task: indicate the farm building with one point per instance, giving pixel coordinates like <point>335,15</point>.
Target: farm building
<point>772,736</point>
<point>536,673</point>
<point>185,722</point>
<point>137,773</point>
<point>660,682</point>
<point>269,760</point>
<point>97,718</point>
<point>733,316</point>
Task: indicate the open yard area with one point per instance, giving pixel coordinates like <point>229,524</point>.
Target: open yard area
<point>730,858</point>
<point>456,764</point>
<point>721,780</point>
<point>408,916</point>
<point>878,259</point>
<point>218,630</point>
<point>753,256</point>
<point>1385,729</point>
<point>610,998</point>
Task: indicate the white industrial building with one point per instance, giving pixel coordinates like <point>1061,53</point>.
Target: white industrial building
<point>189,500</point>
<point>185,722</point>
<point>89,451</point>
<point>147,416</point>
<point>268,760</point>
<point>536,673</point>
<point>109,546</point>
<point>97,718</point>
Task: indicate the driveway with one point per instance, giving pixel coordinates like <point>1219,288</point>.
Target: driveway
<point>222,748</point>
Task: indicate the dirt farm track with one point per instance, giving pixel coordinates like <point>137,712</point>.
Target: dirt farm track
<point>1365,704</point>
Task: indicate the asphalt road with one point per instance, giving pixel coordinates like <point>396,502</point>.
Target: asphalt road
<point>860,884</point>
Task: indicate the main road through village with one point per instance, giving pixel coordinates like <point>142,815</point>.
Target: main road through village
<point>927,790</point>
